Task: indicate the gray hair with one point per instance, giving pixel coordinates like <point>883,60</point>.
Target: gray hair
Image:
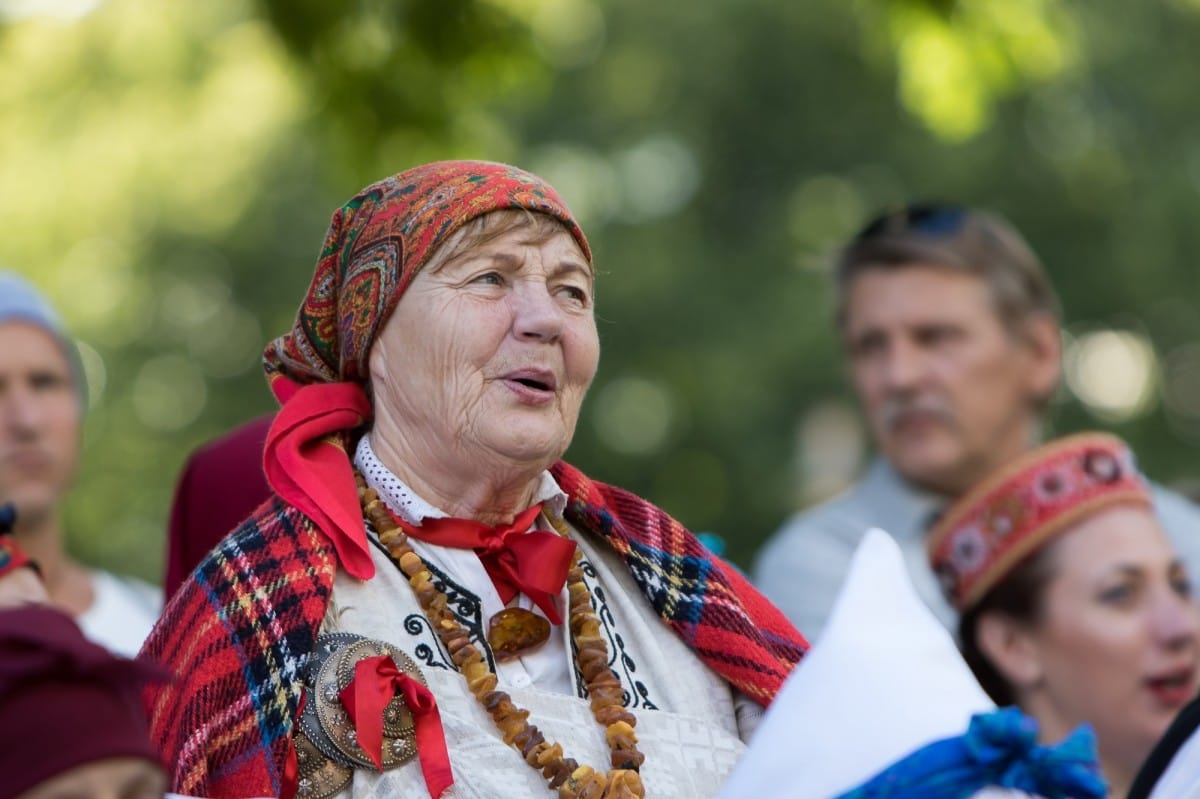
<point>974,242</point>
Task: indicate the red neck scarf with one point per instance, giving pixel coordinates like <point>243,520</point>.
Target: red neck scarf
<point>519,560</point>
<point>307,464</point>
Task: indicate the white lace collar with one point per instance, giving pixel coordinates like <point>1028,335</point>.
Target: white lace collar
<point>404,502</point>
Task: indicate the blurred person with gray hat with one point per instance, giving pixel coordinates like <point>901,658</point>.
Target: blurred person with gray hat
<point>42,399</point>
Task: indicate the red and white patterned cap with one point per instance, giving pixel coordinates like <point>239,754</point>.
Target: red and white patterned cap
<point>1021,506</point>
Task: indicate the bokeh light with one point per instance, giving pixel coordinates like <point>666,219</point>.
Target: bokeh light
<point>830,445</point>
<point>94,372</point>
<point>569,33</point>
<point>1113,373</point>
<point>633,415</point>
<point>658,175</point>
<point>168,393</point>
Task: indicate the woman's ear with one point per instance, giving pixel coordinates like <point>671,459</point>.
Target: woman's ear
<point>1009,645</point>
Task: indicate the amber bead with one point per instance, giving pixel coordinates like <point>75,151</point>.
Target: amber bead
<point>516,631</point>
<point>613,713</point>
<point>517,634</point>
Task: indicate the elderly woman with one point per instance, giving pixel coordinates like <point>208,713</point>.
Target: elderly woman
<point>434,603</point>
<point>1074,605</point>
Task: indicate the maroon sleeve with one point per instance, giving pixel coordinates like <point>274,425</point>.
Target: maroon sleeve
<point>221,484</point>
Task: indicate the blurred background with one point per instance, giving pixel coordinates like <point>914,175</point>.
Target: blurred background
<point>168,169</point>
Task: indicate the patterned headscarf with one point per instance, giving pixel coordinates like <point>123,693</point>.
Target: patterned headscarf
<point>1010,515</point>
<point>375,245</point>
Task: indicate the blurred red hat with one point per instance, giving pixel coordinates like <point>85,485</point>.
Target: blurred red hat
<point>65,701</point>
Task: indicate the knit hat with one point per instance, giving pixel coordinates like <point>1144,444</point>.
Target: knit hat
<point>64,701</point>
<point>21,302</point>
<point>1011,514</point>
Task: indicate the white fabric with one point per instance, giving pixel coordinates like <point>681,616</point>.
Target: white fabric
<point>123,611</point>
<point>1181,780</point>
<point>547,667</point>
<point>690,723</point>
<point>884,679</point>
<point>691,740</point>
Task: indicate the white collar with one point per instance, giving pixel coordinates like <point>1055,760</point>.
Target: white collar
<point>404,502</point>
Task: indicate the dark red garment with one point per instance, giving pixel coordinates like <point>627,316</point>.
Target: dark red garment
<point>221,485</point>
<point>65,701</point>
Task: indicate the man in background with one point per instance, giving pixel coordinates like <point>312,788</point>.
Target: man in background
<point>42,399</point>
<point>951,332</point>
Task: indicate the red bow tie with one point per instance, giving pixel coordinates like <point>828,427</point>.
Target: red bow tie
<point>519,560</point>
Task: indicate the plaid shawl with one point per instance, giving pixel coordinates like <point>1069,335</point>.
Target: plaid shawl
<point>240,630</point>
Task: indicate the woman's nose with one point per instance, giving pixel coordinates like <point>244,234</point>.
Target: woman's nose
<point>537,314</point>
<point>1176,620</point>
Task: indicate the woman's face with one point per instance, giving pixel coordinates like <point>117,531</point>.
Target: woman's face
<point>487,357</point>
<point>1116,643</point>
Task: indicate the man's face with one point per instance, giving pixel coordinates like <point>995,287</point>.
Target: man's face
<point>39,421</point>
<point>949,392</point>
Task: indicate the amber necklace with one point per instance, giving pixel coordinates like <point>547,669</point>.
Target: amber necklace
<point>572,780</point>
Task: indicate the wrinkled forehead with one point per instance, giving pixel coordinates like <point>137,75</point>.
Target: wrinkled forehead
<point>508,232</point>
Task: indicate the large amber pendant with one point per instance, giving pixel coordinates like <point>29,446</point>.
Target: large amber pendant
<point>514,632</point>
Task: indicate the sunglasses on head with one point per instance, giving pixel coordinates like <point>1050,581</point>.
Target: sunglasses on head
<point>925,218</point>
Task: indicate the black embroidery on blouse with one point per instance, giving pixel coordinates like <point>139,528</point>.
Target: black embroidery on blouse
<point>636,694</point>
<point>466,607</point>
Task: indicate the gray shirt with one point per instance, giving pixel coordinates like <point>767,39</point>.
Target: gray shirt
<point>801,567</point>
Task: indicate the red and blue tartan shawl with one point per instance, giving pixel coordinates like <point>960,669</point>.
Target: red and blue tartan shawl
<point>240,629</point>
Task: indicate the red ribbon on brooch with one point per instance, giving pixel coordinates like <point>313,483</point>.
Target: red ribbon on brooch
<point>376,681</point>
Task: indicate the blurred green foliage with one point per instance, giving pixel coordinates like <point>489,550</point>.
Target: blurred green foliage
<point>169,169</point>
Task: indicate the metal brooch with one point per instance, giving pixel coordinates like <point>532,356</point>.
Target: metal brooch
<point>327,748</point>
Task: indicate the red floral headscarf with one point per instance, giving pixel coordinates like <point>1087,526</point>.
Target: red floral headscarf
<point>376,244</point>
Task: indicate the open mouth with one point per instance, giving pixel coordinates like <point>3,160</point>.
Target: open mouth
<point>531,383</point>
<point>535,379</point>
<point>1176,688</point>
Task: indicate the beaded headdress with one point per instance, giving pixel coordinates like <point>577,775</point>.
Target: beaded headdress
<point>1011,514</point>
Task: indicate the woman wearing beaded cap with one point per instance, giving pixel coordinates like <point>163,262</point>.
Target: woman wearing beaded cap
<point>434,603</point>
<point>1073,603</point>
